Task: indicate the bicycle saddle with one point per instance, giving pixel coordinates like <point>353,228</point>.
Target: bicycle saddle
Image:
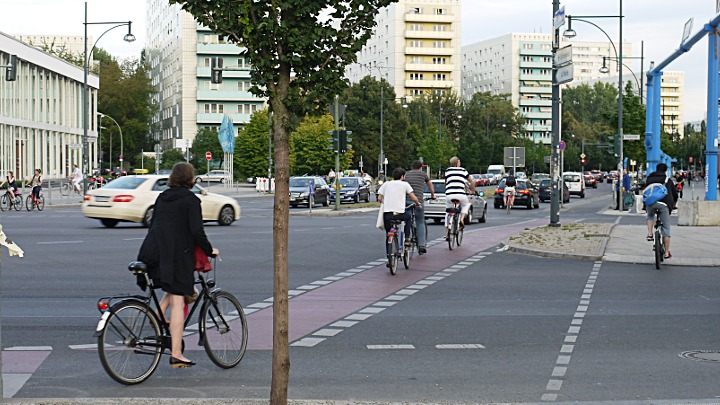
<point>137,267</point>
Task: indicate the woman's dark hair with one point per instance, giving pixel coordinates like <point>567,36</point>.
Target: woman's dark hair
<point>182,175</point>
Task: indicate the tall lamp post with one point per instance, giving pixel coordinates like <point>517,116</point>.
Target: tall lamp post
<point>121,139</point>
<point>129,37</point>
<point>569,33</point>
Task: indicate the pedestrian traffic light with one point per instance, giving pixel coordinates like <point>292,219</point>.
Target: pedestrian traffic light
<point>11,70</point>
<point>345,141</point>
<point>216,65</point>
<point>333,141</point>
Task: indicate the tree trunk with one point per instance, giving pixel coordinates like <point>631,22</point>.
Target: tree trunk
<point>281,354</point>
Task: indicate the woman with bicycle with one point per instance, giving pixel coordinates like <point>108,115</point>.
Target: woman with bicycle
<point>36,183</point>
<point>11,186</point>
<point>169,250</point>
<point>662,208</point>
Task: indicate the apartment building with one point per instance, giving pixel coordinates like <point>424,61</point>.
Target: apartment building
<point>672,109</point>
<point>415,47</point>
<point>180,52</point>
<point>41,114</point>
<point>520,64</point>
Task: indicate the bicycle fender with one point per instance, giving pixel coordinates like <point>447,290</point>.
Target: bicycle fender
<point>101,323</point>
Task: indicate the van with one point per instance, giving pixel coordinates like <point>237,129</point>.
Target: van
<point>575,183</point>
<point>498,171</point>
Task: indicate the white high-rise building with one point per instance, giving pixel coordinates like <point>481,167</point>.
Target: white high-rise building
<point>520,64</point>
<point>180,52</point>
<point>415,47</point>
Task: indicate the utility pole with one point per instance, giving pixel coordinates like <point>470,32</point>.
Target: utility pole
<point>555,145</point>
<point>337,151</point>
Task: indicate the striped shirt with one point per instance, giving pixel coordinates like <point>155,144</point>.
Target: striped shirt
<point>456,181</point>
<point>417,179</point>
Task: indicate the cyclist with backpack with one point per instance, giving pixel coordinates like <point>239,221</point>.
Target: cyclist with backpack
<point>658,204</point>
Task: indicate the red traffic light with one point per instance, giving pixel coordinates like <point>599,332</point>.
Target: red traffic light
<point>582,161</point>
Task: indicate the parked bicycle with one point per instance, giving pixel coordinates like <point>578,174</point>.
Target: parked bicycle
<point>132,335</point>
<point>35,202</point>
<point>455,231</point>
<point>8,202</point>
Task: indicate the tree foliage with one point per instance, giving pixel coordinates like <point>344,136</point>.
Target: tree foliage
<point>206,140</point>
<point>309,147</point>
<point>251,147</point>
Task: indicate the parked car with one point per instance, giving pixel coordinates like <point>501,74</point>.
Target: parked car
<point>489,179</point>
<point>478,179</point>
<point>213,175</point>
<point>521,175</point>
<point>590,181</point>
<point>537,178</point>
<point>526,194</point>
<point>352,190</point>
<point>132,199</point>
<point>300,188</point>
<point>575,183</point>
<point>545,191</point>
<point>612,175</point>
<point>435,209</point>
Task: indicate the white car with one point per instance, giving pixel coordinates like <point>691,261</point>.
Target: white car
<point>132,199</point>
<point>213,175</point>
<point>575,183</point>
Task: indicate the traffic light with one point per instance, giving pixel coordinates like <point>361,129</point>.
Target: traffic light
<point>11,71</point>
<point>333,141</point>
<point>613,147</point>
<point>216,65</point>
<point>345,141</point>
<point>583,161</point>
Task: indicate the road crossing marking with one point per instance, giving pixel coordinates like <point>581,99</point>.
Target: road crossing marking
<point>460,346</point>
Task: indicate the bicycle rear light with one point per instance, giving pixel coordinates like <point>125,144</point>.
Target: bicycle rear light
<point>102,305</point>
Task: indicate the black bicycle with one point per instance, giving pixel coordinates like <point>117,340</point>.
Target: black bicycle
<point>659,245</point>
<point>455,231</point>
<point>8,202</point>
<point>132,335</point>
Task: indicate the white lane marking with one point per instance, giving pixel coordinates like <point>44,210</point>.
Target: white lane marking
<point>134,239</point>
<point>327,332</point>
<point>371,310</point>
<point>426,282</point>
<point>13,382</point>
<point>88,346</point>
<point>385,303</point>
<point>358,317</point>
<point>405,291</point>
<point>293,293</point>
<point>321,282</point>
<point>563,360</point>
<point>62,242</point>
<point>343,324</point>
<point>307,342</point>
<point>460,346</point>
<point>390,347</point>
<point>332,278</point>
<point>29,348</point>
<point>567,348</point>
<point>260,305</point>
<point>570,339</point>
<point>559,371</point>
<point>345,274</point>
<point>554,385</point>
<point>417,286</point>
<point>308,287</point>
<point>574,329</point>
<point>396,297</point>
<point>548,397</point>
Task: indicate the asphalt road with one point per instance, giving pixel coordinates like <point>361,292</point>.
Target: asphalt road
<point>478,324</point>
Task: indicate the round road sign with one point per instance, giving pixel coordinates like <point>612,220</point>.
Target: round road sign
<point>208,155</point>
<point>562,145</point>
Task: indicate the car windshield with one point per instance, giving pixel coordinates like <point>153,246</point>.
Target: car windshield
<point>494,171</point>
<point>349,182</point>
<point>437,186</point>
<point>300,182</point>
<point>545,183</point>
<point>126,183</point>
<point>571,177</point>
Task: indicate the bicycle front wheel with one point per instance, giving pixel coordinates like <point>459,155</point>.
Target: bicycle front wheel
<point>40,203</point>
<point>65,189</point>
<point>129,344</point>
<point>658,250</point>
<point>18,203</point>
<point>29,203</point>
<point>4,203</point>
<point>224,329</point>
<point>408,251</point>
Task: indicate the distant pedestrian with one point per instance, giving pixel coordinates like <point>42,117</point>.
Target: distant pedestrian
<point>626,184</point>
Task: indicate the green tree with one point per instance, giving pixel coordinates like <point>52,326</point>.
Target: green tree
<point>170,157</point>
<point>251,148</point>
<point>312,40</point>
<point>309,152</point>
<point>206,140</point>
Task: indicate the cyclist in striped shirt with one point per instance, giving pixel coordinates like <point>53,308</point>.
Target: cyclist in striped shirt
<point>457,183</point>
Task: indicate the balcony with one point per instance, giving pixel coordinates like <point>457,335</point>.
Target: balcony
<point>536,64</point>
<point>227,74</point>
<point>414,34</point>
<point>429,67</point>
<point>429,18</point>
<point>434,84</point>
<point>430,51</point>
<point>536,90</point>
<point>544,115</point>
<point>217,118</point>
<point>230,49</point>
<point>545,77</point>
<point>225,95</point>
<point>526,102</point>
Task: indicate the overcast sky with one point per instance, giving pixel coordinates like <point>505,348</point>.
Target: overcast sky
<point>657,22</point>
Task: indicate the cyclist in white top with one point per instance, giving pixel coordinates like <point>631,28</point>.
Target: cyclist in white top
<point>76,177</point>
<point>457,183</point>
<point>392,196</point>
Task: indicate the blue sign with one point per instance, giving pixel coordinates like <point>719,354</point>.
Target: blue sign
<point>226,135</point>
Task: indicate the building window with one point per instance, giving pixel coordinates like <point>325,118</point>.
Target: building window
<point>416,92</point>
<point>439,44</point>
<point>415,59</point>
<point>207,62</point>
<point>439,27</point>
<point>439,61</point>
<point>438,76</point>
<point>440,11</point>
<point>416,76</point>
<point>416,44</point>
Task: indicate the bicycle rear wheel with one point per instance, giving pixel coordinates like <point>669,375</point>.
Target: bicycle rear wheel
<point>408,251</point>
<point>224,329</point>
<point>508,205</point>
<point>393,255</point>
<point>658,250</point>
<point>129,344</point>
<point>452,235</point>
<point>459,236</point>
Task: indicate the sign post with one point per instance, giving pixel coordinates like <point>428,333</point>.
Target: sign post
<point>208,157</point>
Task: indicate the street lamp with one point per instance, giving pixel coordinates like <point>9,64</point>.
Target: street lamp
<point>381,158</point>
<point>129,37</point>
<point>604,69</point>
<point>569,33</point>
<point>121,140</point>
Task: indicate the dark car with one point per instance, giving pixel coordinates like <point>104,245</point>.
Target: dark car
<point>526,194</point>
<point>300,188</point>
<point>352,189</point>
<point>545,191</point>
<point>590,181</point>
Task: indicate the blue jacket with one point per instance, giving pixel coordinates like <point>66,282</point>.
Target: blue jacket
<point>626,182</point>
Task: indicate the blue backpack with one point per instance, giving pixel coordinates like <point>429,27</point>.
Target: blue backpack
<point>654,193</point>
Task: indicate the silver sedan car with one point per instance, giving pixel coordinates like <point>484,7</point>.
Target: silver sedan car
<point>435,209</point>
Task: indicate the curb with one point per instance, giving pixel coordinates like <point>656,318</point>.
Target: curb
<point>325,212</point>
<point>557,255</point>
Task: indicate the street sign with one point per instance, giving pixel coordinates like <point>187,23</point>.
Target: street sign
<point>559,18</point>
<point>158,148</point>
<point>208,156</point>
<point>631,137</point>
<point>514,156</point>
<point>120,158</point>
<point>582,156</point>
<point>686,30</point>
<point>564,74</point>
<point>563,56</point>
<point>562,145</point>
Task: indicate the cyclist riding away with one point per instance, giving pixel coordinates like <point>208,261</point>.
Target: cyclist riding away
<point>417,180</point>
<point>663,207</point>
<point>76,178</point>
<point>392,196</point>
<point>11,186</point>
<point>510,184</point>
<point>457,183</point>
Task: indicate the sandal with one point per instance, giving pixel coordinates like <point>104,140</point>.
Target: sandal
<point>649,238</point>
<point>668,256</point>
